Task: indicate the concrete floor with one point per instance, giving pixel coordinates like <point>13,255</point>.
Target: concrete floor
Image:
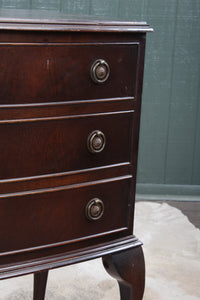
<point>172,254</point>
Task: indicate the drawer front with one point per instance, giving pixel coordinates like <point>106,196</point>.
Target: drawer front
<point>50,73</point>
<point>34,148</point>
<point>59,216</point>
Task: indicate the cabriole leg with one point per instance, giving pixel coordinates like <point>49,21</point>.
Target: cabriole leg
<point>129,269</point>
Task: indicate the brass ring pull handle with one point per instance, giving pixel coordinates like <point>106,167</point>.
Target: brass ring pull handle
<point>96,141</point>
<point>100,71</point>
<point>94,209</point>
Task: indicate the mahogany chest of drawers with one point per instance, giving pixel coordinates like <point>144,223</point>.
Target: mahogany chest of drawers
<point>70,98</point>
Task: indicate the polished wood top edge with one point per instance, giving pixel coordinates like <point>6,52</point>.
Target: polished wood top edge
<point>56,21</point>
<point>66,187</point>
<point>70,21</point>
<point>74,28</point>
<point>82,44</point>
<point>68,258</point>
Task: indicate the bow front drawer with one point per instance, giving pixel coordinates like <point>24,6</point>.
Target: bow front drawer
<point>59,72</point>
<point>38,147</point>
<point>63,215</point>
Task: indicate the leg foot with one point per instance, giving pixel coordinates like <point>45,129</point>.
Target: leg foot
<point>128,268</point>
<point>40,282</point>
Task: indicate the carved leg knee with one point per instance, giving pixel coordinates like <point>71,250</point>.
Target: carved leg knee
<point>128,268</point>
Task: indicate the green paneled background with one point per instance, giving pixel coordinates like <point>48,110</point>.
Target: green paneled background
<point>169,157</point>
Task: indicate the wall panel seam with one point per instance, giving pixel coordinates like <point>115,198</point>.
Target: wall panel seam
<point>171,85</point>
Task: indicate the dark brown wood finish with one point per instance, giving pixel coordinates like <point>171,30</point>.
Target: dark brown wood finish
<point>49,105</point>
<point>57,72</point>
<point>129,270</point>
<point>50,218</point>
<point>63,144</point>
<point>40,281</point>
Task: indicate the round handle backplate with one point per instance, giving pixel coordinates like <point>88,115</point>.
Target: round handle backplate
<point>100,71</point>
<point>94,209</point>
<point>96,141</point>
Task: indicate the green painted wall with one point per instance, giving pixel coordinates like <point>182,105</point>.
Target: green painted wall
<point>170,125</point>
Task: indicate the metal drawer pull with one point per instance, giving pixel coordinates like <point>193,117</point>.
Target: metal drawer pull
<point>100,71</point>
<point>94,209</point>
<point>96,141</point>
